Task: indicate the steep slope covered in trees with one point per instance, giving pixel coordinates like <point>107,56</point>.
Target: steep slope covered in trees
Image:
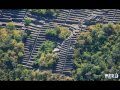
<point>98,52</point>
<point>11,55</point>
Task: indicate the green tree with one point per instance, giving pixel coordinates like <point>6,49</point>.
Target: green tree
<point>97,52</point>
<point>27,21</point>
<point>11,26</point>
<point>47,46</point>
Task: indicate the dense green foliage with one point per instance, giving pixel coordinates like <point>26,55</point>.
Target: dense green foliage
<point>10,26</point>
<point>11,46</point>
<point>47,47</point>
<point>58,33</point>
<point>47,13</point>
<point>98,52</point>
<point>27,21</point>
<point>11,54</point>
<point>52,33</point>
<point>20,73</point>
<point>46,58</point>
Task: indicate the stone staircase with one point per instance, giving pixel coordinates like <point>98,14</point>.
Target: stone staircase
<point>65,62</point>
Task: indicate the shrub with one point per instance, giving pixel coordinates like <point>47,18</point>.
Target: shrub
<point>47,46</point>
<point>27,21</point>
<point>51,33</point>
<point>11,26</point>
<point>47,13</point>
<point>58,32</point>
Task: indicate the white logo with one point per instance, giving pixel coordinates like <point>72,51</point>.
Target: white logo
<point>110,76</point>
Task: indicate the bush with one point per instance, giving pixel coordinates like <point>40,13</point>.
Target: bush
<point>51,33</point>
<point>27,21</point>
<point>12,46</point>
<point>11,26</point>
<point>47,46</point>
<point>45,57</point>
<point>58,32</point>
<point>99,53</point>
<point>47,13</point>
<point>64,33</point>
<point>20,54</point>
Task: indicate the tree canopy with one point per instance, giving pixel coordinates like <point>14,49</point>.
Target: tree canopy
<point>97,52</point>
